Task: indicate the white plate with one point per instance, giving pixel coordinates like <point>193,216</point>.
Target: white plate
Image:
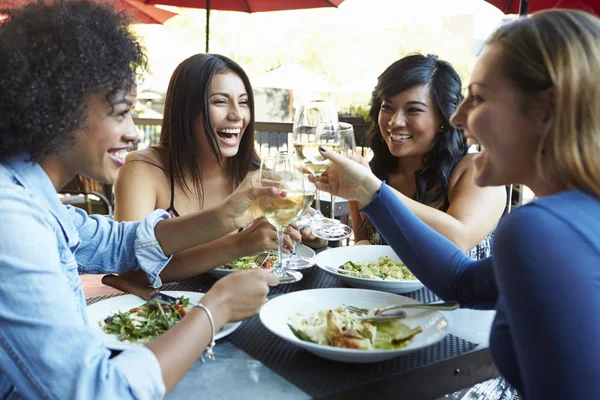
<point>338,256</point>
<point>302,250</point>
<point>276,312</point>
<point>99,311</point>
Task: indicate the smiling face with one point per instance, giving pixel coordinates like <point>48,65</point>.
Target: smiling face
<point>492,115</point>
<point>409,121</point>
<point>100,149</point>
<point>230,114</point>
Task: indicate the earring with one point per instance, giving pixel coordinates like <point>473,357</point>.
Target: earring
<point>442,127</point>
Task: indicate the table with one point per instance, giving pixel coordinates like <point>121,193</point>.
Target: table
<point>235,374</point>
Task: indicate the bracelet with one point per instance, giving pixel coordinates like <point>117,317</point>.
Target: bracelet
<point>209,348</point>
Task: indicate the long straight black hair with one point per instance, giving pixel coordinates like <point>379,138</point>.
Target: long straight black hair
<point>187,97</point>
<point>450,145</point>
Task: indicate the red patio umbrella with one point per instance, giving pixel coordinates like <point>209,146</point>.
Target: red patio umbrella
<point>524,6</point>
<point>248,6</point>
<point>138,11</point>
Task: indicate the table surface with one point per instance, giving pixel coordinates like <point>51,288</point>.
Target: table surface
<point>235,374</point>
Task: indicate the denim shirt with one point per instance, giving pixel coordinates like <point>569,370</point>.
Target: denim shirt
<point>47,348</point>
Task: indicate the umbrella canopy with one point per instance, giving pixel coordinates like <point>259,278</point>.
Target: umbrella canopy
<point>524,6</point>
<point>139,12</point>
<point>248,6</point>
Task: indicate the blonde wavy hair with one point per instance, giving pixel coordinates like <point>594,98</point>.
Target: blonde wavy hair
<point>560,49</point>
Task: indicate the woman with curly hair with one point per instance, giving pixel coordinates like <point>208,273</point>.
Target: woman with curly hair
<point>424,159</point>
<point>206,149</point>
<point>533,104</point>
<point>67,86</point>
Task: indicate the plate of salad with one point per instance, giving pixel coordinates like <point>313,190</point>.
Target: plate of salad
<point>128,321</point>
<point>244,263</point>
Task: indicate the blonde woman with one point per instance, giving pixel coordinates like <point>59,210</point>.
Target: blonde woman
<point>533,103</point>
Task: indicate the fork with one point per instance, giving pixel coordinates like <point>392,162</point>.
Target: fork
<point>447,306</point>
<point>261,258</point>
<point>344,271</point>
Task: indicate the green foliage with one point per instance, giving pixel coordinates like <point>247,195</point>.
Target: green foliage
<point>354,110</point>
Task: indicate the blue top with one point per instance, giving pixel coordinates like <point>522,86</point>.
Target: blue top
<point>47,348</point>
<point>543,280</point>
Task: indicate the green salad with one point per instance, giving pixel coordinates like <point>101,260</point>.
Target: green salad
<point>243,263</point>
<point>383,269</point>
<point>146,322</point>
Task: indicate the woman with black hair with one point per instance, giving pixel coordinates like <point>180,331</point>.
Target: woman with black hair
<point>206,148</point>
<point>424,158</point>
<point>67,87</point>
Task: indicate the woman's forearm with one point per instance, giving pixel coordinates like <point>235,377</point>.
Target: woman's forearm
<point>182,233</point>
<point>203,258</point>
<point>179,347</point>
<point>435,261</point>
<point>443,223</point>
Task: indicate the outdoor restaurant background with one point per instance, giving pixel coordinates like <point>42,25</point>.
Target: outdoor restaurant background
<point>347,47</point>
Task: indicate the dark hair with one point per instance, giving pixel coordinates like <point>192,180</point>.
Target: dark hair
<point>450,145</point>
<point>187,97</point>
<point>52,58</point>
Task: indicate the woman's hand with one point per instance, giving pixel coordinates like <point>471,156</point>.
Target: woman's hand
<point>238,204</point>
<point>260,236</point>
<point>308,238</point>
<point>348,177</point>
<point>239,295</point>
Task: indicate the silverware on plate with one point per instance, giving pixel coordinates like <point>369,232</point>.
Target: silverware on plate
<point>259,260</point>
<point>446,306</point>
<point>344,271</point>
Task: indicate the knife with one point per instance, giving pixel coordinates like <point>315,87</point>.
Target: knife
<point>136,288</point>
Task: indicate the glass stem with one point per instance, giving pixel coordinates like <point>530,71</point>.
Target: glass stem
<point>318,213</point>
<point>280,268</point>
<point>332,207</point>
<point>317,201</point>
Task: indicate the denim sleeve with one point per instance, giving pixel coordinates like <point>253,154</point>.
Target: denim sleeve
<point>114,247</point>
<point>434,260</point>
<point>46,349</point>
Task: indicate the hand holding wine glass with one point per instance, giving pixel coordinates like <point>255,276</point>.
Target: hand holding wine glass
<point>339,138</point>
<point>281,172</point>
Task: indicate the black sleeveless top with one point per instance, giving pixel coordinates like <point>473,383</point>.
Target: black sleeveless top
<point>171,210</point>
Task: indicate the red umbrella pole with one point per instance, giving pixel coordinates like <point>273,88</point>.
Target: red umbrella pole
<point>523,7</point>
<point>207,23</point>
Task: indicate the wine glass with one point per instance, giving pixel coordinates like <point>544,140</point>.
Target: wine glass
<point>295,261</point>
<point>311,114</point>
<point>281,171</point>
<point>338,137</point>
<point>308,116</point>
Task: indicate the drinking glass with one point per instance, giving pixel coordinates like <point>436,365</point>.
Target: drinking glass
<point>281,171</point>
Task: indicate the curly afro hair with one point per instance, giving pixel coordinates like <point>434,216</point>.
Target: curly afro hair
<point>53,57</point>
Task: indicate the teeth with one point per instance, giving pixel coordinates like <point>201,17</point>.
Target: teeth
<point>400,137</point>
<point>120,154</point>
<point>231,131</point>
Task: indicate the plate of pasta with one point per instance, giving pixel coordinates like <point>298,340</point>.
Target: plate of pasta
<point>316,320</point>
<point>369,267</point>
